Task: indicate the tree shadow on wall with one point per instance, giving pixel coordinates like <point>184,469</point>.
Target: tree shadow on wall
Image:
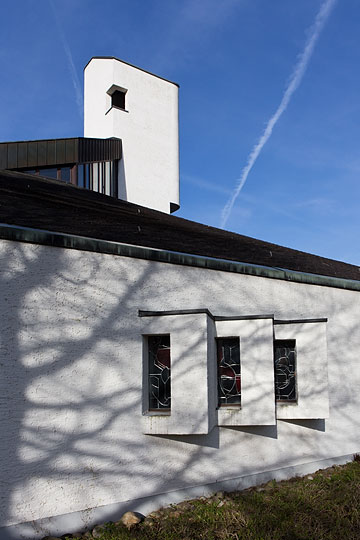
<point>71,386</point>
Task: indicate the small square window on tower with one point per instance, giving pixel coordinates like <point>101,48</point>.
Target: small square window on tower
<point>118,99</point>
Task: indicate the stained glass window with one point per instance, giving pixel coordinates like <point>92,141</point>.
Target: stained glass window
<point>229,376</point>
<point>285,370</point>
<point>159,372</point>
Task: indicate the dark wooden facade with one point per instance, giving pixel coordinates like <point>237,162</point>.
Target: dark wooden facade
<point>51,152</point>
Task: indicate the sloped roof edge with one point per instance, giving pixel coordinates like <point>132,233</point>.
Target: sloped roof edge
<point>44,204</point>
<point>82,243</point>
<point>131,65</point>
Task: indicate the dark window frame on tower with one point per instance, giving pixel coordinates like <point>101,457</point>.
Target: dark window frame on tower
<point>118,99</point>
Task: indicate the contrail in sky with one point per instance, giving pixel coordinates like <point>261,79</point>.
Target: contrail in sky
<point>294,81</point>
<point>73,73</point>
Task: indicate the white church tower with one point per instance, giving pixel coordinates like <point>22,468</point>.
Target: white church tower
<point>141,109</point>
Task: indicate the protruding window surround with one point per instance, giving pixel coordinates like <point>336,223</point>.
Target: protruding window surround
<point>197,405</point>
<point>312,374</point>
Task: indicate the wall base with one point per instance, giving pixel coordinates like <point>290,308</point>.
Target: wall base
<point>85,519</point>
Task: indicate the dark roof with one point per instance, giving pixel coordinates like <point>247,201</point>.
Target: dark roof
<point>30,201</point>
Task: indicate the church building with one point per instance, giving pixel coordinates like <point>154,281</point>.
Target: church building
<point>147,359</point>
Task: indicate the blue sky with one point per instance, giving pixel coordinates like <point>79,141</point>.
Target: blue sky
<point>233,60</point>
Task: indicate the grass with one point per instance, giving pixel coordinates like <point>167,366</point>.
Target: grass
<point>324,505</point>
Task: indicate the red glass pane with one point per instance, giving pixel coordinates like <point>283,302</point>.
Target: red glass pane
<point>163,357</point>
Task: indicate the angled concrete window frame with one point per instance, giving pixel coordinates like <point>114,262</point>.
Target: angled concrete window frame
<point>257,372</point>
<point>311,372</point>
<point>192,345</point>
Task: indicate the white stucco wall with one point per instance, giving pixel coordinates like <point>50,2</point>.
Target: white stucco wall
<point>71,380</point>
<point>149,129</point>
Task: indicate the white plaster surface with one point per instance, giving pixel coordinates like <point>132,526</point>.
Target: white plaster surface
<point>149,129</point>
<point>71,381</point>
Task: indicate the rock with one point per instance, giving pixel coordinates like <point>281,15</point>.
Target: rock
<point>221,503</point>
<point>130,519</point>
<point>97,531</point>
<point>175,514</point>
<point>154,515</point>
<point>185,505</point>
<point>310,477</point>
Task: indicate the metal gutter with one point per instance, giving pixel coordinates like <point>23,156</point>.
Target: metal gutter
<point>69,241</point>
<point>143,313</point>
<point>300,321</point>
